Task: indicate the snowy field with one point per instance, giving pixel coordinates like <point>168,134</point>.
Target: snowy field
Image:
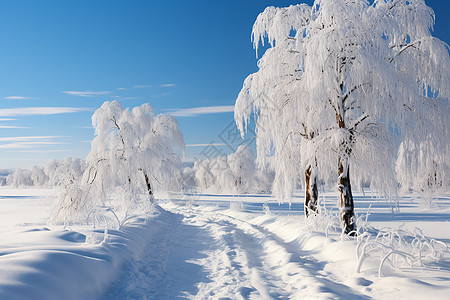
<point>226,247</point>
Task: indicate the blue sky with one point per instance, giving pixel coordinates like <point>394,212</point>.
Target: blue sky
<point>61,59</point>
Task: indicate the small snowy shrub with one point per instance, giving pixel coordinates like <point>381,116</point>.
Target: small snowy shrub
<point>266,209</point>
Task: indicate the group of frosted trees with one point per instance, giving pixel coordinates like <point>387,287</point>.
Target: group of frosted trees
<point>341,86</point>
<point>135,153</point>
<point>235,173</point>
<point>54,172</point>
<point>232,174</point>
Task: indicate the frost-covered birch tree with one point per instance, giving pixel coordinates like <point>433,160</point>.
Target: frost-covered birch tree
<point>133,154</point>
<point>349,81</point>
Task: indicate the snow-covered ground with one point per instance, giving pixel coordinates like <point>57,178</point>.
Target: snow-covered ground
<point>224,246</point>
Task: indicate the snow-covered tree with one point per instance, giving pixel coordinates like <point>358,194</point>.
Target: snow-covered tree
<point>38,176</point>
<point>54,172</point>
<point>349,81</point>
<point>273,94</point>
<point>235,173</point>
<point>225,180</point>
<point>242,164</point>
<point>3,174</point>
<point>133,154</point>
<point>424,175</point>
<point>19,178</point>
<point>203,176</point>
<point>187,179</point>
<point>61,170</point>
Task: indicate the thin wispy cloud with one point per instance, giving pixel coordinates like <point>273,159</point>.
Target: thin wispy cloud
<point>29,138</point>
<point>83,127</point>
<point>205,145</point>
<point>87,93</point>
<point>125,98</point>
<point>122,89</point>
<point>31,111</point>
<point>195,111</point>
<point>12,127</point>
<point>29,142</point>
<point>130,98</point>
<point>160,95</point>
<point>168,84</point>
<point>43,151</point>
<point>142,86</point>
<point>24,145</point>
<point>17,98</point>
<point>4,120</point>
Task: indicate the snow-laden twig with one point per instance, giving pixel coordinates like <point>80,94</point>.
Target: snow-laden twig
<point>266,209</point>
<point>389,245</point>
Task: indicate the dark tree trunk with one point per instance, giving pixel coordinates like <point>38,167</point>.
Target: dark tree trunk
<point>148,184</point>
<point>311,193</point>
<point>346,196</point>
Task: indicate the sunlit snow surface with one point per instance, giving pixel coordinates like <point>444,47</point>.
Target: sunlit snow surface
<point>220,246</point>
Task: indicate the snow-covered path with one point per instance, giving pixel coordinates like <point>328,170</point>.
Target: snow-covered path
<point>168,267</point>
<point>201,253</point>
<point>217,247</point>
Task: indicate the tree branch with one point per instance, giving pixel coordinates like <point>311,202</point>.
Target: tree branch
<point>120,134</point>
<point>358,121</point>
<point>331,103</point>
<point>412,44</point>
<point>347,94</point>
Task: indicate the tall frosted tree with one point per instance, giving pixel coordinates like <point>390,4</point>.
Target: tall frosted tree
<point>133,154</point>
<point>342,84</point>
